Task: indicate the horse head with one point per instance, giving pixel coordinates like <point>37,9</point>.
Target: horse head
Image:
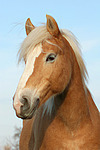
<point>48,60</point>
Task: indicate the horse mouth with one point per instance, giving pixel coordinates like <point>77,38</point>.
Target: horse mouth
<point>30,112</point>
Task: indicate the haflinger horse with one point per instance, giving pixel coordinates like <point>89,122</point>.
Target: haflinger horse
<point>52,98</point>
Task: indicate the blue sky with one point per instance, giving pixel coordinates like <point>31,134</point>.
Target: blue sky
<point>81,17</point>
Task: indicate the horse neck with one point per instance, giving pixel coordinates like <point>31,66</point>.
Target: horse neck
<point>74,109</point>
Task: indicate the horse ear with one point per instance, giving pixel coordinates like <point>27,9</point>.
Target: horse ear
<point>29,26</point>
<point>52,26</point>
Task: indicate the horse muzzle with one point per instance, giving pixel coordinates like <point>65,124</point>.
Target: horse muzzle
<point>25,105</point>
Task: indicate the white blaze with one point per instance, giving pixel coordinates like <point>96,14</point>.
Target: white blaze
<point>29,68</point>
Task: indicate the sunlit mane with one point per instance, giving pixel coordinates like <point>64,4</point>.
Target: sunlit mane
<point>76,48</point>
<point>39,34</point>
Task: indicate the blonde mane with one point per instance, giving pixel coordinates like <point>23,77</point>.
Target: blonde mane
<point>39,34</point>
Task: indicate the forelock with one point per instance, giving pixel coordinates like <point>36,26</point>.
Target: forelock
<point>36,36</point>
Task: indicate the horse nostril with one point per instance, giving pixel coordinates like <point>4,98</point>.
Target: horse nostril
<point>25,102</point>
<point>38,99</point>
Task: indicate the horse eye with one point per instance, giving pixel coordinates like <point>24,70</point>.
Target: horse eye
<point>50,58</point>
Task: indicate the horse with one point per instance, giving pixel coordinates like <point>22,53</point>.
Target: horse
<point>52,96</point>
